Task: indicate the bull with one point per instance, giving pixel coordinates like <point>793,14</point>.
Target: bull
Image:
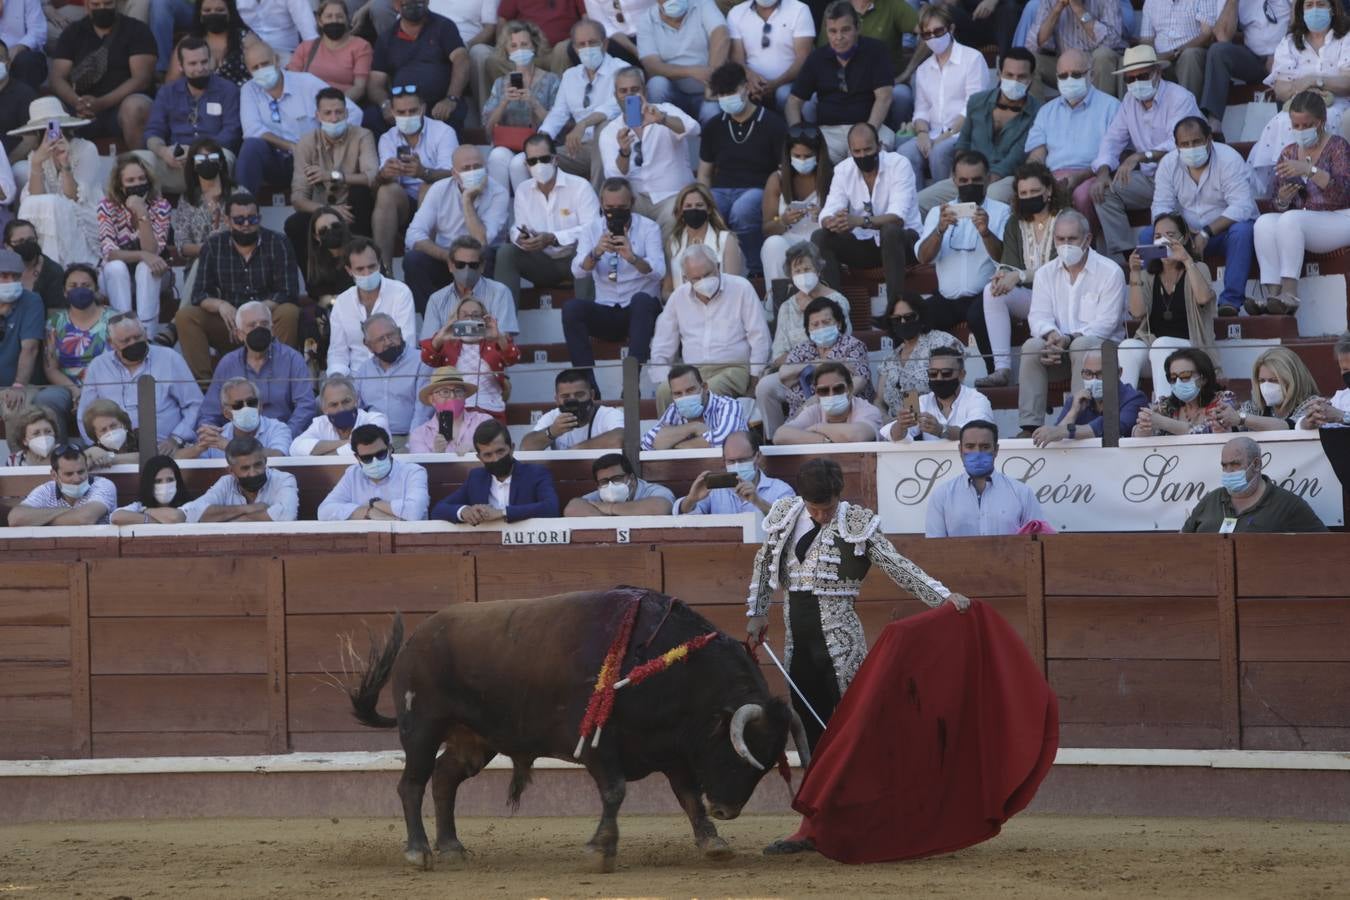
<point>514,677</point>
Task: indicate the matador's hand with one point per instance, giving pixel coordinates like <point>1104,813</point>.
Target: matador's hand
<point>960,601</point>
<point>756,627</point>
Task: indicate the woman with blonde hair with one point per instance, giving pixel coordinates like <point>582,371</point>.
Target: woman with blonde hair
<point>697,221</point>
<point>1283,393</point>
<point>133,230</point>
<point>518,102</point>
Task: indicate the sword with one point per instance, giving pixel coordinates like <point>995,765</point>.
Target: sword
<point>792,684</point>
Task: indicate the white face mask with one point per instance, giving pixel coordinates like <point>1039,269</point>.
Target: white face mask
<point>42,445</point>
<point>1013,89</point>
<point>939,45</point>
<point>805,281</point>
<point>1143,91</point>
<point>164,493</point>
<point>1272,392</point>
<point>472,179</point>
<point>1073,89</point>
<point>114,439</point>
<point>408,124</point>
<point>708,285</point>
<point>1072,254</point>
<point>614,492</point>
<point>543,173</point>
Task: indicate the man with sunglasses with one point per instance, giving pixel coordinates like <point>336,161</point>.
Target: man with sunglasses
<point>415,154</point>
<point>945,407</point>
<point>552,209</point>
<point>280,377</point>
<point>1263,24</point>
<point>467,280</point>
<point>239,406</point>
<point>251,492</point>
<point>378,486</point>
<point>772,41</point>
<point>201,104</point>
<point>1083,417</point>
<point>835,416</point>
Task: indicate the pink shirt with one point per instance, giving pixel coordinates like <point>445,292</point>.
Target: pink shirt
<point>422,439</point>
<point>862,412</point>
<point>340,67</point>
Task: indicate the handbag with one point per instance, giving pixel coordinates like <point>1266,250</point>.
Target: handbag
<point>89,71</point>
<point>512,137</point>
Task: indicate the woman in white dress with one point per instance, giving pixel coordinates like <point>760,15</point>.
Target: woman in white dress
<point>792,199</point>
<point>697,221</point>
<point>65,185</point>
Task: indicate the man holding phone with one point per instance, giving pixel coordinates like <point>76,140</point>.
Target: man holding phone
<point>415,154</point>
<point>743,486</point>
<point>648,145</point>
<point>578,422</point>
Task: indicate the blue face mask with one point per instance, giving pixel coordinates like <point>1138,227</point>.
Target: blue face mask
<point>343,421</point>
<point>745,471</point>
<point>591,57</point>
<point>689,407</point>
<point>1236,482</point>
<point>334,129</point>
<point>978,463</point>
<point>267,77</point>
<point>675,8</point>
<point>835,404</point>
<point>1195,157</point>
<point>825,337</point>
<point>10,291</point>
<point>733,105</point>
<point>368,282</point>
<point>377,469</point>
<point>1094,388</point>
<point>1317,19</point>
<point>1186,391</point>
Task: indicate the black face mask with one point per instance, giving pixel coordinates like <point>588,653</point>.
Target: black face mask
<point>137,352</point>
<point>391,354</point>
<point>905,331</point>
<point>243,238</point>
<point>619,217</point>
<point>216,22</point>
<point>209,170</point>
<point>1030,206</point>
<point>868,163</point>
<point>258,340</point>
<point>28,250</point>
<point>137,190</point>
<point>103,18</point>
<point>200,82</point>
<point>334,30</point>
<point>695,218</point>
<point>945,390</point>
<point>414,12</point>
<point>970,193</point>
<point>253,483</point>
<point>581,409</point>
<point>333,237</point>
<point>499,468</point>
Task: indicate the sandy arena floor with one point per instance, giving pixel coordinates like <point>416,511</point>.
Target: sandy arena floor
<point>1036,857</point>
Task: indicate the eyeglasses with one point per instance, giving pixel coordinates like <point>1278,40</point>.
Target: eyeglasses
<point>240,404</point>
<point>764,39</point>
<point>617,479</point>
<point>935,33</point>
<point>275,107</point>
<point>941,374</point>
<point>371,457</point>
<point>1146,75</point>
<point>1174,377</point>
<point>464,263</point>
<point>538,160</point>
<point>400,90</point>
<point>837,390</point>
<point>246,220</point>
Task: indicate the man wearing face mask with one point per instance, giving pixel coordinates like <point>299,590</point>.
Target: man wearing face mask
<point>113,95</point>
<point>280,378</point>
<point>251,492</point>
<point>1143,125</point>
<point>371,292</point>
<point>1249,502</point>
<point>466,280</point>
<point>696,417</point>
<point>1069,129</point>
<point>947,405</point>
<point>585,100</point>
<point>552,209</point>
<point>680,42</point>
<point>392,378</point>
<point>415,154</point>
<point>754,492</point>
<point>579,422</point>
<point>239,405</point>
<point>378,486</point>
<point>72,497</point>
<point>199,105</point>
<point>42,275</point>
<point>1077,301</point>
<point>469,203</point>
<point>619,492</point>
<point>424,49</point>
<point>835,416</point>
<point>503,490</point>
<point>330,433</point>
<point>1083,417</point>
<point>21,335</point>
<point>982,502</point>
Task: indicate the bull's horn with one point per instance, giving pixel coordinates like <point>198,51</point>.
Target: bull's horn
<point>799,739</point>
<point>744,716</point>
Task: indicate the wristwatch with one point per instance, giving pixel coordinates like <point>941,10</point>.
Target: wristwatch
<point>1085,18</point>
<point>1312,169</point>
<point>1148,156</point>
<point>867,221</point>
<point>335,175</point>
<point>1206,233</point>
<point>1073,430</point>
<point>1242,418</point>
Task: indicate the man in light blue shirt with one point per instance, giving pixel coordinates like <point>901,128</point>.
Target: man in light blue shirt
<point>680,42</point>
<point>1069,129</point>
<point>981,502</point>
<point>754,491</point>
<point>391,379</point>
<point>377,487</point>
<point>23,28</point>
<point>240,405</point>
<point>250,492</point>
<point>619,492</point>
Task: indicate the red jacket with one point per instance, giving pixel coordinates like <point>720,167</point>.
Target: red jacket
<point>496,358</point>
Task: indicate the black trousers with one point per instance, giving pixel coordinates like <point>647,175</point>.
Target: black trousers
<point>893,255</point>
<point>812,668</point>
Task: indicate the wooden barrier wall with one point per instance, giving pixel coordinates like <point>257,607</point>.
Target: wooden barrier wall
<point>1149,640</point>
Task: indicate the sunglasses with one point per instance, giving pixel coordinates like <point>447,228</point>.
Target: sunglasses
<point>1146,75</point>
<point>400,90</point>
<point>586,95</point>
<point>1173,378</point>
<point>200,158</point>
<point>941,374</point>
<point>246,220</point>
<point>935,33</point>
<point>764,38</point>
<point>462,263</point>
<point>1079,74</point>
<point>804,133</point>
<point>240,404</point>
<point>536,160</point>
<point>618,13</point>
<point>371,457</point>
<point>906,317</point>
<point>837,390</point>
<point>275,107</point>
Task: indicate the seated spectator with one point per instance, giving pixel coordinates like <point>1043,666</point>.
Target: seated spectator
<point>1092,29</point>
<point>103,68</point>
<point>160,498</point>
<point>619,492</point>
<point>200,212</point>
<point>772,41</point>
<point>944,85</point>
<point>511,114</point>
<point>1069,129</point>
<point>21,337</point>
<point>554,19</point>
<point>1262,26</point>
<point>15,96</point>
<point>112,433</point>
<point>1143,125</point>
<point>552,210</point>
<point>377,486</point>
<point>585,100</point>
<point>793,196</point>
<point>330,433</point>
<point>714,321</point>
<point>1249,502</point>
<point>251,492</point>
<point>680,43</point>
<point>72,497</point>
<point>276,110</point>
<point>826,326</point>
<point>1284,393</point>
<point>621,254</point>
<point>218,23</point>
<point>23,30</point>
<point>695,417</point>
<point>619,18</point>
<point>846,81</point>
<point>1083,417</point>
<point>835,415</point>
<point>1193,405</point>
<point>579,421</point>
<point>337,55</point>
<point>372,292</point>
<point>754,492</point>
<point>980,502</point>
<point>870,216</point>
<point>246,263</point>
<point>915,341</point>
<point>41,274</point>
<point>239,405</point>
<point>113,375</point>
<point>391,377</point>
<point>280,378</point>
<point>697,221</point>
<point>280,24</point>
<point>198,106</point>
<point>469,203</point>
<point>64,186</point>
<point>422,49</point>
<point>75,335</point>
<point>1312,192</point>
<point>482,351</point>
<point>1335,412</point>
<point>466,268</point>
<point>476,22</point>
<point>451,426</point>
<point>133,230</point>
<point>415,154</point>
<point>326,275</point>
<point>33,438</point>
<point>335,166</point>
<point>1180,33</point>
<point>1077,302</point>
<point>962,248</point>
<point>1174,302</point>
<point>653,156</point>
<point>947,406</point>
<point>503,490</point>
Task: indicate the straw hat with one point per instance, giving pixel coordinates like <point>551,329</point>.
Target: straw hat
<point>1141,57</point>
<point>445,375</point>
<point>43,110</point>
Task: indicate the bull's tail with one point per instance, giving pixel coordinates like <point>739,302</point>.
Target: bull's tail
<point>378,665</point>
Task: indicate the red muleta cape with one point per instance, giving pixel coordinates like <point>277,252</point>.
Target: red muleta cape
<point>944,735</point>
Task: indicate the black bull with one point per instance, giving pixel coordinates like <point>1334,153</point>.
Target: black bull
<point>514,677</point>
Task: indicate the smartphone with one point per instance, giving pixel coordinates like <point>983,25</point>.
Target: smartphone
<point>571,407</point>
<point>518,81</point>
<point>445,423</point>
<point>525,232</point>
<point>632,110</point>
<point>1150,252</point>
<point>615,226</point>
<point>468,328</point>
<point>53,131</point>
<point>912,402</point>
<point>964,210</point>
<point>404,153</point>
<point>721,480</point>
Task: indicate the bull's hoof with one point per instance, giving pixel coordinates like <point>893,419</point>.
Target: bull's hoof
<point>419,856</point>
<point>716,848</point>
<point>788,847</point>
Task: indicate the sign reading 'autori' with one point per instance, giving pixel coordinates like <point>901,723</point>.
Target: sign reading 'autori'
<point>515,537</point>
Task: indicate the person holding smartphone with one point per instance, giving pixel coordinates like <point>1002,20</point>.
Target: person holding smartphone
<point>743,486</point>
<point>451,426</point>
<point>519,101</point>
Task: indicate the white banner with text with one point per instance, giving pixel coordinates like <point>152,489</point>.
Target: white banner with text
<point>1145,484</point>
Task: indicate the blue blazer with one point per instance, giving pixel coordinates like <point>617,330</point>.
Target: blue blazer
<point>532,495</point>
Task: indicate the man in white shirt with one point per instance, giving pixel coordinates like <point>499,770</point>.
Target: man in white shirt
<point>250,493</point>
<point>476,21</point>
<point>1180,31</point>
<point>622,254</point>
<point>579,421</point>
<point>963,244</point>
<point>467,203</point>
<point>870,216</point>
<point>1077,301</point>
<point>715,322</point>
<point>371,292</point>
<point>415,154</point>
<point>330,433</point>
<point>680,42</point>
<point>585,99</point>
<point>552,208</point>
<point>1263,24</point>
<point>377,487</point>
<point>466,270</point>
<point>980,502</point>
<point>945,407</point>
<point>771,40</point>
<point>654,156</point>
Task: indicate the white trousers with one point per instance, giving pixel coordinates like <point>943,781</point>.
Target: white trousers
<point>1282,238</point>
<point>1134,353</point>
<point>998,313</point>
<point>117,278</point>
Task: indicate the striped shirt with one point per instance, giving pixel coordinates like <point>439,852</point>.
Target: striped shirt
<point>116,229</point>
<point>1169,24</point>
<point>722,416</point>
<point>47,496</point>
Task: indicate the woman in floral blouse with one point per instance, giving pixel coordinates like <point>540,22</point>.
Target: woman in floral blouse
<point>907,321</point>
<point>1283,393</point>
<point>1195,403</point>
<point>133,230</point>
<point>77,332</point>
<point>825,324</point>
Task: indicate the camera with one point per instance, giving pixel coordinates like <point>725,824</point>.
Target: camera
<point>468,328</point>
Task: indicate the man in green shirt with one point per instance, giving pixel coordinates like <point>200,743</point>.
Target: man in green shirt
<point>1248,500</point>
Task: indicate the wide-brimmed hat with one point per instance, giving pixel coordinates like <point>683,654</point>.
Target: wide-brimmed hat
<point>43,110</point>
<point>1141,57</point>
<point>445,375</point>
